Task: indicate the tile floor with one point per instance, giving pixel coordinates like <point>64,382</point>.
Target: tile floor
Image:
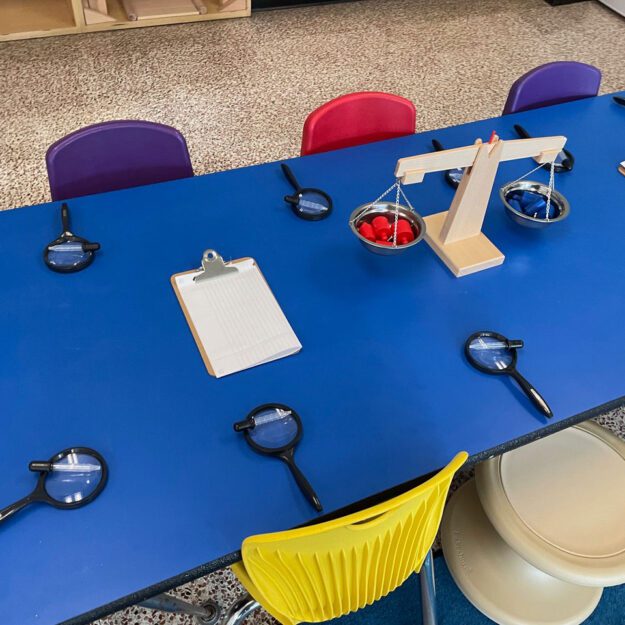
<point>240,90</point>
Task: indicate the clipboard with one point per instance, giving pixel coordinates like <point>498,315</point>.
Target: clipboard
<point>233,315</point>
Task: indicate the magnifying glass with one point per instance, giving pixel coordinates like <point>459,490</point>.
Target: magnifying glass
<point>275,430</point>
<point>69,253</point>
<point>452,176</point>
<point>307,203</point>
<point>490,352</point>
<point>70,479</point>
<point>564,161</point>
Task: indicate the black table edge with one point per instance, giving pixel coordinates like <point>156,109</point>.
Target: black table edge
<point>210,567</point>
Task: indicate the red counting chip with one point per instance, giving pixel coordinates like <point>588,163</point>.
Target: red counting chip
<point>381,227</point>
<point>405,233</point>
<point>366,231</point>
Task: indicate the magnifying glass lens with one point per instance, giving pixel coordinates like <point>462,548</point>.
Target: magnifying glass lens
<point>490,352</point>
<point>73,477</point>
<point>313,203</point>
<point>67,255</point>
<point>456,175</point>
<point>274,428</point>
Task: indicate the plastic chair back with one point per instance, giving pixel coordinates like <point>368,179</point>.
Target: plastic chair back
<point>355,119</point>
<point>553,83</point>
<point>116,155</point>
<point>323,571</point>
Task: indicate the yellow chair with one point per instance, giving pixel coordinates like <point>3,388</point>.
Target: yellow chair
<point>320,572</point>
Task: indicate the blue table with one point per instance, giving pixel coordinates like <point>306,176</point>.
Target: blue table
<point>104,358</point>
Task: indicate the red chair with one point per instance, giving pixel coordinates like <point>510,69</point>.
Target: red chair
<point>357,118</point>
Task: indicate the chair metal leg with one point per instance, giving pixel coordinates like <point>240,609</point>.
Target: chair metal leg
<point>207,614</point>
<point>428,590</point>
<point>240,610</point>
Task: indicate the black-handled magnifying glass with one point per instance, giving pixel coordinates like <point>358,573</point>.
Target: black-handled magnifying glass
<point>70,479</point>
<point>490,352</point>
<point>564,161</point>
<point>275,430</point>
<point>69,253</point>
<point>452,176</point>
<point>307,203</point>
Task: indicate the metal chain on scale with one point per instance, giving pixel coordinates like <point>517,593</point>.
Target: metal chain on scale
<point>552,184</point>
<point>398,190</point>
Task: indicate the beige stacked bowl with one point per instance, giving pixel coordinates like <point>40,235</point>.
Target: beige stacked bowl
<point>539,533</point>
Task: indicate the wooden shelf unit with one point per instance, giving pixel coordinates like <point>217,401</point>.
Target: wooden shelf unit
<point>28,19</point>
<point>35,18</point>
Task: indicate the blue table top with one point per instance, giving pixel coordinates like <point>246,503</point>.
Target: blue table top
<point>104,358</point>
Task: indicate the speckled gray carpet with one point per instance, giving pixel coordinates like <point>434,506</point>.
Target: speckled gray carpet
<point>240,90</point>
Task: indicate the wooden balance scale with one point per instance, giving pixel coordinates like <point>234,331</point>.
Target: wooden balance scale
<point>456,235</point>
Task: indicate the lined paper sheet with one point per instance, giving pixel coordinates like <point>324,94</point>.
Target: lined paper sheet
<point>236,319</point>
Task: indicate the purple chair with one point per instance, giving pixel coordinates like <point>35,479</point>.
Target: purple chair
<point>553,83</point>
<point>116,155</point>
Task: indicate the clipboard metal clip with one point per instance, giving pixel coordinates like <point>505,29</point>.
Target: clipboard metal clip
<point>212,266</point>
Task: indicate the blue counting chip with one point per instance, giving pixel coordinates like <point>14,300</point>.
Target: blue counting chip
<point>531,204</point>
<point>517,194</point>
<point>534,205</point>
<point>528,198</point>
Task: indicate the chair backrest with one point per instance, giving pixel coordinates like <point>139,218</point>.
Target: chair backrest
<point>116,155</point>
<point>357,118</point>
<point>323,571</point>
<point>553,83</point>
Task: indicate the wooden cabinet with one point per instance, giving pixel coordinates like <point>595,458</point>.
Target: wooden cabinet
<point>25,19</point>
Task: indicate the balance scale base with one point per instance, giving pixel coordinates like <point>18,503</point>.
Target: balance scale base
<point>461,257</point>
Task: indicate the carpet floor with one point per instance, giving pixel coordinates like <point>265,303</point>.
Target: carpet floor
<point>239,90</point>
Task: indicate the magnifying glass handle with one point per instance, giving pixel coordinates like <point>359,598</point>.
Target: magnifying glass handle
<point>65,217</point>
<point>303,483</point>
<point>5,513</point>
<point>290,176</point>
<point>40,466</point>
<point>521,132</point>
<point>533,394</point>
<point>246,424</point>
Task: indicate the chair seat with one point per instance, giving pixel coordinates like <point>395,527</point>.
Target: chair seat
<point>560,504</point>
<point>496,580</point>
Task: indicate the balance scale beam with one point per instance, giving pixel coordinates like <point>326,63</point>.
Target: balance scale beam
<point>456,235</point>
<point>412,169</point>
